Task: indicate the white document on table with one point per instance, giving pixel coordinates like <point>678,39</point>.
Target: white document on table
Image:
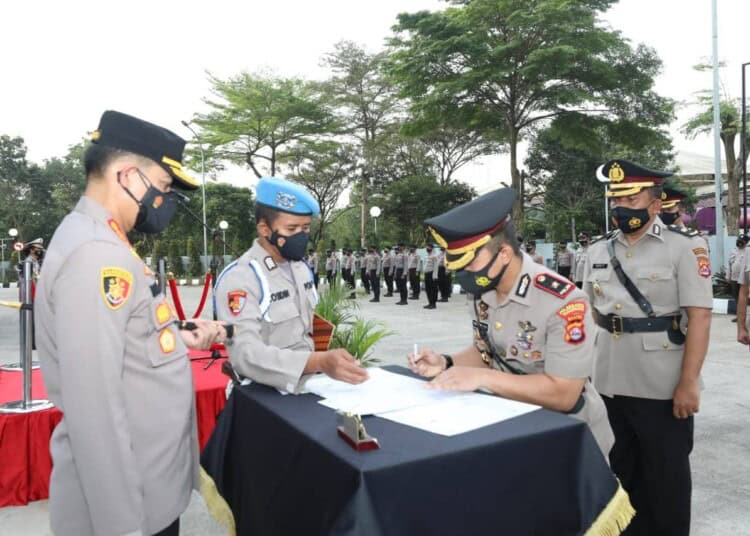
<point>407,401</point>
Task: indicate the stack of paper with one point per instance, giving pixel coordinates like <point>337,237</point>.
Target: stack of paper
<point>407,401</point>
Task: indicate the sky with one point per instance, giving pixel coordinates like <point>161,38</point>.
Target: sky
<point>64,63</point>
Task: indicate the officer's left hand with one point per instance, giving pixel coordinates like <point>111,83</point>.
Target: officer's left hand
<point>686,399</point>
<point>207,333</point>
<point>458,379</point>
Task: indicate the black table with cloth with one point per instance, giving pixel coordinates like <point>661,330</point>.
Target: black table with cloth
<point>280,465</point>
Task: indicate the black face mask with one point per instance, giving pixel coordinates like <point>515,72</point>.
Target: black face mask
<point>429,250</point>
<point>630,220</point>
<point>291,247</point>
<point>740,244</point>
<point>479,282</point>
<point>155,209</point>
<point>529,249</point>
<point>669,217</point>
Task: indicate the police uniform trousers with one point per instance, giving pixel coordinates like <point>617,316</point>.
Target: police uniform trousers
<point>345,275</point>
<point>401,284</point>
<point>329,277</point>
<point>316,278</point>
<point>430,287</point>
<point>444,283</point>
<point>651,459</point>
<point>388,273</point>
<point>414,282</point>
<point>365,279</point>
<point>564,271</point>
<point>375,283</point>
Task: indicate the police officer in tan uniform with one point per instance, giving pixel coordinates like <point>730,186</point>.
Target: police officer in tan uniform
<point>387,264</point>
<point>533,332</point>
<point>580,259</point>
<point>431,278</point>
<point>268,293</point>
<point>412,267</point>
<point>564,260</point>
<point>399,265</point>
<point>126,451</point>
<point>647,370</point>
<point>374,267</point>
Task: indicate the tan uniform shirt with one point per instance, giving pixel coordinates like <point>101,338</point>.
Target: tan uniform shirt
<point>387,260</point>
<point>372,262</point>
<point>272,307</point>
<point>331,263</point>
<point>580,264</point>
<point>126,451</point>
<point>399,263</point>
<point>672,271</point>
<point>312,261</point>
<point>431,265</point>
<point>564,258</point>
<point>412,261</point>
<point>545,326</point>
<point>739,266</point>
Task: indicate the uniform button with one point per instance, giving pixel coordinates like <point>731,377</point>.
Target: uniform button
<point>618,306</point>
<point>526,355</point>
<point>665,346</point>
<point>653,277</point>
<point>629,254</point>
<point>498,325</point>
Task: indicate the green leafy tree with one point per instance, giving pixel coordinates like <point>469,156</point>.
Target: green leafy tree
<point>174,258</point>
<point>195,268</point>
<point>412,200</point>
<point>730,114</point>
<point>16,203</point>
<point>253,117</point>
<point>516,64</point>
<point>365,103</point>
<point>159,252</point>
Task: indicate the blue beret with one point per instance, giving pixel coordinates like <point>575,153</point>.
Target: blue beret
<point>286,196</point>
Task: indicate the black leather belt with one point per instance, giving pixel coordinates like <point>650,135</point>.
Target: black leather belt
<point>618,324</point>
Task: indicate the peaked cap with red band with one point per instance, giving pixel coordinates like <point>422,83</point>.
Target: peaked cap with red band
<point>466,228</point>
<point>626,178</point>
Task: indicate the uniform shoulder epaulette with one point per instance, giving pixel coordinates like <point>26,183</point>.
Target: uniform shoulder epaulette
<point>684,231</point>
<point>607,236</point>
<point>557,286</point>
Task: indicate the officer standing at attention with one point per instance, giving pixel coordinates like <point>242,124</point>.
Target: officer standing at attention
<point>269,295</point>
<point>412,265</point>
<point>671,207</point>
<point>580,259</point>
<point>330,267</point>
<point>387,264</point>
<point>444,277</point>
<point>364,273</point>
<point>533,339</point>
<point>125,453</point>
<point>645,281</point>
<point>399,263</point>
<point>373,272</point>
<point>564,260</point>
<point>312,262</point>
<point>431,278</point>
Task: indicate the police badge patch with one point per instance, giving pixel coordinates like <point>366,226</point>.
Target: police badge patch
<point>115,286</point>
<point>574,314</point>
<point>236,300</point>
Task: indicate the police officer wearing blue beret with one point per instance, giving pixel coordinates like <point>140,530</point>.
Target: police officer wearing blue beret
<point>269,294</point>
<point>126,451</point>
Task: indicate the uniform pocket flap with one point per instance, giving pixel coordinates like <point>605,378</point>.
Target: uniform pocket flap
<point>658,341</point>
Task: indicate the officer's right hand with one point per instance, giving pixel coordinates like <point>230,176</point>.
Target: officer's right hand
<point>341,365</point>
<point>742,335</point>
<point>426,363</point>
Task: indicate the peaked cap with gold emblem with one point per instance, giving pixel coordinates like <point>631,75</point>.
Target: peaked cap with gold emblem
<point>466,228</point>
<point>627,178</point>
<point>137,136</point>
<point>671,197</point>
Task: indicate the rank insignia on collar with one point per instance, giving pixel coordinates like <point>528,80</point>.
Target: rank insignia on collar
<point>236,300</point>
<point>116,284</point>
<point>523,286</point>
<point>483,311</point>
<point>656,229</point>
<point>553,285</point>
<point>270,263</point>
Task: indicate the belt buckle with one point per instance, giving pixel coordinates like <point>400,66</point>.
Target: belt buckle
<point>616,332</point>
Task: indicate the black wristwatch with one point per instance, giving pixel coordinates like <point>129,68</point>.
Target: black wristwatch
<point>448,361</point>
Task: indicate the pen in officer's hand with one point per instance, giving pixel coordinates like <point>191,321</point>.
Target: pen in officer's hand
<point>416,353</point>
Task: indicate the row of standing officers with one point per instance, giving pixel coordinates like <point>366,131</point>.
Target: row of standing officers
<point>401,270</point>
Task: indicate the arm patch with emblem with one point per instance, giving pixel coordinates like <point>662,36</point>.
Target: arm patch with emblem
<point>557,286</point>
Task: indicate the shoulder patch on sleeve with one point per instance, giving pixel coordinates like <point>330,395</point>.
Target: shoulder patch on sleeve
<point>523,286</point>
<point>574,313</point>
<point>684,231</point>
<point>556,286</point>
<point>236,300</point>
<point>704,266</point>
<point>115,285</point>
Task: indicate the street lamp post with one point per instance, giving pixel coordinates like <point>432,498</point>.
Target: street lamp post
<point>223,225</point>
<point>203,188</point>
<point>604,180</point>
<point>743,152</point>
<point>375,213</point>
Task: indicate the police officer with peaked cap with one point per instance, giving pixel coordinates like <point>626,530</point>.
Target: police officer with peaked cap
<point>270,295</point>
<point>125,453</point>
<point>671,206</point>
<point>646,280</point>
<point>533,332</point>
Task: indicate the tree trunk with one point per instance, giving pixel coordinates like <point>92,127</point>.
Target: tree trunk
<point>516,179</point>
<point>363,211</point>
<point>733,190</point>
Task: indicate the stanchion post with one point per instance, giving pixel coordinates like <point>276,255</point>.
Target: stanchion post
<point>162,275</point>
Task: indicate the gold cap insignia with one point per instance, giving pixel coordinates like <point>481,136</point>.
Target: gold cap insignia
<point>483,281</point>
<point>616,174</point>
